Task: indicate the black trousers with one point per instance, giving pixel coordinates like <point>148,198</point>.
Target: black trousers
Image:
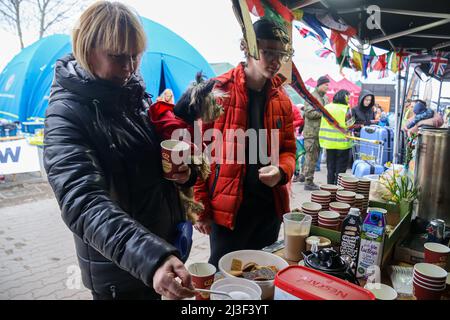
<point>256,227</point>
<point>337,162</point>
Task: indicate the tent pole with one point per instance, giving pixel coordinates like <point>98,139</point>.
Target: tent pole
<point>397,106</point>
<point>399,111</point>
<point>410,31</point>
<point>402,108</point>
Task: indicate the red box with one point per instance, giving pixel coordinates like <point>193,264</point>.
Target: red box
<point>302,283</point>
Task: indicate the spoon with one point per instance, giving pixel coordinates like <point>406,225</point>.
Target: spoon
<point>214,292</point>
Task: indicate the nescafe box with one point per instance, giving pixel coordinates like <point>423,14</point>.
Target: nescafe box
<point>302,283</point>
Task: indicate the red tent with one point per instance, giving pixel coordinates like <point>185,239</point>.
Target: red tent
<point>335,86</point>
<point>311,82</point>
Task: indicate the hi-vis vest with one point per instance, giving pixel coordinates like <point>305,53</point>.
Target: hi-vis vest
<point>329,136</point>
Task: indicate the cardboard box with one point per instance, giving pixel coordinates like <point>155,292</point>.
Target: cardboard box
<point>410,249</point>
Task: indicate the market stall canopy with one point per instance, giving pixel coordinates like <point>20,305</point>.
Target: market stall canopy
<point>311,82</point>
<point>168,62</point>
<point>408,24</point>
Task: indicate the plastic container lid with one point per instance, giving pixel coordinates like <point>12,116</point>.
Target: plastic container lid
<point>354,212</point>
<point>310,284</point>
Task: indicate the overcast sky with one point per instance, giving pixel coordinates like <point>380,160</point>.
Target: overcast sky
<point>211,27</point>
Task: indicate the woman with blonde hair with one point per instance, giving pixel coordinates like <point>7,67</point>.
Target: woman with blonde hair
<point>103,162</point>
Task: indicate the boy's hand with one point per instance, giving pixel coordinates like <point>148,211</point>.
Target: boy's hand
<point>270,175</point>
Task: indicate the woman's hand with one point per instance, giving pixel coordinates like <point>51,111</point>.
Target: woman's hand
<point>270,175</point>
<point>183,174</point>
<point>165,283</point>
<point>203,226</point>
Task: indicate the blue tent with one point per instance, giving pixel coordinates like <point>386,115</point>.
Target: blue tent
<point>168,62</point>
<point>21,76</point>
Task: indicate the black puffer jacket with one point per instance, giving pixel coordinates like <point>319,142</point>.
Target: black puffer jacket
<point>363,115</point>
<point>103,163</point>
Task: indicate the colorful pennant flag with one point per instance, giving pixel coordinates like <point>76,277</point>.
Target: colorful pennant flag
<point>367,61</point>
<point>256,8</point>
<point>314,24</point>
<point>271,14</point>
<point>438,65</point>
<point>344,60</point>
<point>324,52</point>
<point>338,43</point>
<point>281,9</point>
<point>380,63</point>
<point>356,60</point>
<point>394,62</point>
<point>403,58</point>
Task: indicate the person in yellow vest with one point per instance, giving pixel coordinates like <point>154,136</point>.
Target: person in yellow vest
<point>334,141</point>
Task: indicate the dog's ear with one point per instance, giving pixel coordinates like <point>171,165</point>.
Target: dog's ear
<point>199,77</point>
<point>207,88</point>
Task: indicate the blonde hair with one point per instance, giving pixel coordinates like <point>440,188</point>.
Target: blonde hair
<point>110,26</point>
<point>162,96</point>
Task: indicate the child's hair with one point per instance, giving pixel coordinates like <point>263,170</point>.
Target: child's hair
<point>162,96</point>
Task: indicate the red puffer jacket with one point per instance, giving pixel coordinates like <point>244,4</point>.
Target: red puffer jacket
<point>222,193</point>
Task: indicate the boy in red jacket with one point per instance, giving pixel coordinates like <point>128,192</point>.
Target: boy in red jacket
<point>245,201</point>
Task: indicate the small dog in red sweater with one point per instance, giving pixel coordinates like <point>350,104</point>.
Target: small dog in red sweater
<point>201,101</point>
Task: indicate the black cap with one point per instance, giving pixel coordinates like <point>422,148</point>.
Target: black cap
<point>266,29</point>
<point>322,80</point>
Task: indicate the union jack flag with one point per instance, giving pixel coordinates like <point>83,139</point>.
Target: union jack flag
<point>438,64</point>
<point>323,53</point>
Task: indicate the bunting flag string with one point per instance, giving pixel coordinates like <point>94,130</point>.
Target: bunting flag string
<point>305,32</point>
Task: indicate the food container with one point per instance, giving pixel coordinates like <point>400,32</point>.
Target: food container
<point>261,258</point>
<point>249,289</point>
<point>302,283</point>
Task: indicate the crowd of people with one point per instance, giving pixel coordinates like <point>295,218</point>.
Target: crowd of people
<point>311,149</point>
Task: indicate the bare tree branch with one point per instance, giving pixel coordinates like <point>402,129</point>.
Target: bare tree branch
<point>10,12</point>
<point>38,17</point>
<point>52,12</point>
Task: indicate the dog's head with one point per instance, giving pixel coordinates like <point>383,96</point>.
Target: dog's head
<point>200,101</point>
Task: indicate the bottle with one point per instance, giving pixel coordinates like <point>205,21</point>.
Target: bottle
<point>372,241</point>
<point>351,235</point>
